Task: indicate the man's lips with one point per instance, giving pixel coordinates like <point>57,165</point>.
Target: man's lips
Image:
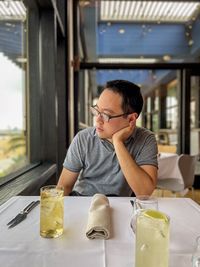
<point>98,129</point>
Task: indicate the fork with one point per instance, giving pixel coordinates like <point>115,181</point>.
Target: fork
<point>23,214</point>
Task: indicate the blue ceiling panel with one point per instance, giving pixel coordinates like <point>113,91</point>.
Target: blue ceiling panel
<point>138,39</point>
<point>136,76</point>
<point>141,40</point>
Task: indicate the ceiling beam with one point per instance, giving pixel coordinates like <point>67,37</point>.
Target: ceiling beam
<point>166,66</point>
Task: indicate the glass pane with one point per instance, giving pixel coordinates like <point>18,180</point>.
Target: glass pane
<point>169,134</point>
<point>155,123</point>
<point>13,142</point>
<point>195,120</point>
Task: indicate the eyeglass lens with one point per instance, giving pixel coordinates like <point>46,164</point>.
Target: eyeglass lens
<point>95,112</point>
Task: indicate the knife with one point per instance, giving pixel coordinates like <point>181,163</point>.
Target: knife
<point>23,214</point>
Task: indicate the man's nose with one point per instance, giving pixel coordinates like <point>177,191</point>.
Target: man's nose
<point>99,118</point>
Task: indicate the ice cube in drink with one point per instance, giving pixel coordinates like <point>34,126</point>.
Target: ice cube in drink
<point>51,211</point>
<point>152,238</point>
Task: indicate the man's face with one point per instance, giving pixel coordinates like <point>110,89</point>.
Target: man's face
<point>110,104</point>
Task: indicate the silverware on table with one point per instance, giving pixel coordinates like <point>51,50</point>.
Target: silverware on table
<point>23,214</point>
<point>132,203</point>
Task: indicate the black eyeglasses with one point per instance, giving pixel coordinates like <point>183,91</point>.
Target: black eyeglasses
<point>105,117</point>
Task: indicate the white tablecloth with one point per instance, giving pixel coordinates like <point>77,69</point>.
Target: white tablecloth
<point>168,167</point>
<point>22,245</point>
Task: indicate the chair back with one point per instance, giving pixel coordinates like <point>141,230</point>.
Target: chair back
<point>186,165</point>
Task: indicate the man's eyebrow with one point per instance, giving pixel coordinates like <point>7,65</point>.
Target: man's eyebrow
<point>106,109</point>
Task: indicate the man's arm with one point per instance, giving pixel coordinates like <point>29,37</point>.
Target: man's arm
<point>67,180</point>
<point>141,179</point>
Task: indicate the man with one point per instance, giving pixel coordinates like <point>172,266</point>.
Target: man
<point>115,157</point>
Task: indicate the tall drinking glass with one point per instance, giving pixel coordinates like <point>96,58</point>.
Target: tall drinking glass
<point>152,239</point>
<point>51,211</point>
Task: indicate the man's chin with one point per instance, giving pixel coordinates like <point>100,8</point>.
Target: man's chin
<point>102,135</point>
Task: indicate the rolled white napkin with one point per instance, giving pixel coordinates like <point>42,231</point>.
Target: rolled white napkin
<point>99,222</point>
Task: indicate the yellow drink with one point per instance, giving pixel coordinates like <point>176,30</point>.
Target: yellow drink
<point>51,211</point>
<point>152,238</point>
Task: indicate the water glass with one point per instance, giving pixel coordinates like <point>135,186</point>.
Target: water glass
<point>51,211</point>
<point>145,202</point>
<point>142,202</point>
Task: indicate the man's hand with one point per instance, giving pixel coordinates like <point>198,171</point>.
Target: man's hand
<point>123,134</point>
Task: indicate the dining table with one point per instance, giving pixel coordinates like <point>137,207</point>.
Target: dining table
<point>22,245</point>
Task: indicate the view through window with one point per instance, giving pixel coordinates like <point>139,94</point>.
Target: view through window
<point>13,143</point>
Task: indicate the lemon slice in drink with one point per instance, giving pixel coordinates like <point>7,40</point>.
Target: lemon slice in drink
<point>156,215</point>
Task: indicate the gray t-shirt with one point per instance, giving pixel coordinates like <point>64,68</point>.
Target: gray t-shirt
<point>98,165</point>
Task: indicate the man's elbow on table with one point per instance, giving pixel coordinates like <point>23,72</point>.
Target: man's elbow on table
<point>148,185</point>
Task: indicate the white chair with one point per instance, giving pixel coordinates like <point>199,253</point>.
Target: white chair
<point>185,176</point>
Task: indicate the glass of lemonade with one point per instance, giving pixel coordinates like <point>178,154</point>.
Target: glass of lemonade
<point>152,239</point>
<point>51,211</point>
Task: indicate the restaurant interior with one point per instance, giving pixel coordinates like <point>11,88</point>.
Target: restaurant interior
<point>55,58</point>
<point>59,56</point>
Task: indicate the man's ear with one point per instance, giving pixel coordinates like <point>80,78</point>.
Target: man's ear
<point>133,116</point>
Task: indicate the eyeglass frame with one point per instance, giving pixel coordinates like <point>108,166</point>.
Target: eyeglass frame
<point>105,117</point>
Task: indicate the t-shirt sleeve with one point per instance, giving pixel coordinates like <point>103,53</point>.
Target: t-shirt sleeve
<point>73,160</point>
<point>149,151</point>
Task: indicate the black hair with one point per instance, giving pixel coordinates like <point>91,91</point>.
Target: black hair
<point>132,100</point>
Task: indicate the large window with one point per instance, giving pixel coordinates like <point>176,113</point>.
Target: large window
<point>33,98</point>
<point>162,112</point>
<point>13,130</point>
